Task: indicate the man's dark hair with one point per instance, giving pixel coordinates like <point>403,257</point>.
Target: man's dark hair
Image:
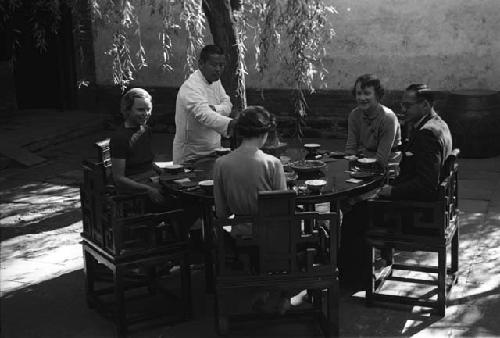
<point>254,121</point>
<point>210,50</point>
<point>369,80</point>
<point>422,91</point>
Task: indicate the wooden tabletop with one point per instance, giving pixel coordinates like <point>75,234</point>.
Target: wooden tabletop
<point>336,173</point>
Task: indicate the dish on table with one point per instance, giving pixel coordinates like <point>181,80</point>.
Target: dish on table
<point>315,185</point>
<point>172,168</point>
<point>307,165</point>
<point>337,154</point>
<point>168,167</point>
<point>367,160</point>
<point>362,174</point>
<point>351,157</point>
<point>312,146</point>
<point>207,185</point>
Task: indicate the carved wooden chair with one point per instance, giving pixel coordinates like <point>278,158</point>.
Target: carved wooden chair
<point>411,226</point>
<point>127,251</point>
<point>285,256</point>
<point>100,203</point>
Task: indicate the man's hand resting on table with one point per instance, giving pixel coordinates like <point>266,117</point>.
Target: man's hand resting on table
<point>385,191</point>
<point>155,195</point>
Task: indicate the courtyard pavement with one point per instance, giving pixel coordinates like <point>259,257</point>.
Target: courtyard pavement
<point>41,276</point>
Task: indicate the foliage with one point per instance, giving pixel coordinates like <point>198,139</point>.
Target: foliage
<point>124,18</point>
<point>194,21</point>
<point>300,28</point>
<point>294,30</point>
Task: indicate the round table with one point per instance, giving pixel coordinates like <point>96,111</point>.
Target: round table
<point>336,172</point>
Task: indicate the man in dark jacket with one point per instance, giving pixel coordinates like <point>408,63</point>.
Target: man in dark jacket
<point>429,144</point>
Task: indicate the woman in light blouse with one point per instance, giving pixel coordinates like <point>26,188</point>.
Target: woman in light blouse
<point>373,129</point>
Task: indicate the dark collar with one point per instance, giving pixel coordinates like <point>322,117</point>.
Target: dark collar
<point>424,120</point>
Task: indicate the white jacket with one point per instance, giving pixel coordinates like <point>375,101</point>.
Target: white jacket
<point>198,127</point>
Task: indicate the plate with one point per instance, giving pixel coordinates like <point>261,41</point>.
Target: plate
<point>173,168</point>
<point>312,146</point>
<point>315,185</point>
<point>337,154</point>
<point>362,174</point>
<point>367,160</point>
<point>207,185</point>
<point>307,165</point>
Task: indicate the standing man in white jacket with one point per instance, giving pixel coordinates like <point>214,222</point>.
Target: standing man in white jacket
<point>202,109</point>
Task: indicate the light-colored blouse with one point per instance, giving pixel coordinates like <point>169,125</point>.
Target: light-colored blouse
<point>378,133</point>
<point>238,178</point>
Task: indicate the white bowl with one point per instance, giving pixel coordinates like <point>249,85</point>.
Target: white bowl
<point>173,168</point>
<point>367,160</point>
<point>206,185</point>
<point>351,157</point>
<point>312,146</point>
<point>315,185</point>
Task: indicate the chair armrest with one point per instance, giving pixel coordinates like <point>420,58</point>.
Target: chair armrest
<point>153,217</point>
<point>129,197</point>
<point>172,218</point>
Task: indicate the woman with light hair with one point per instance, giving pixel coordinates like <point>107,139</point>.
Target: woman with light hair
<point>130,147</point>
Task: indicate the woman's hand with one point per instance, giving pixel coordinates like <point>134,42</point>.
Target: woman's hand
<point>155,195</point>
<point>385,191</point>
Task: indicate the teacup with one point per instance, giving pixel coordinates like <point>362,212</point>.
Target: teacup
<point>312,150</point>
<point>315,185</point>
<point>207,186</point>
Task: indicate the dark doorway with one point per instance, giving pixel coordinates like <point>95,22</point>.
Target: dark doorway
<point>45,78</point>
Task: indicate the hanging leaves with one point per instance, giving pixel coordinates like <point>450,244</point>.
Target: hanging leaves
<point>296,30</point>
<point>169,26</point>
<point>194,22</point>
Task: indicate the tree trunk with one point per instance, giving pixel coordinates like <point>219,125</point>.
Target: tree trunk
<point>223,28</point>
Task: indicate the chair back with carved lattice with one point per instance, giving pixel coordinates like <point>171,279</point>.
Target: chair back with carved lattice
<point>283,241</point>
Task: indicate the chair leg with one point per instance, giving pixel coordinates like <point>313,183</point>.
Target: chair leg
<point>317,302</point>
<point>89,271</point>
<point>370,288</point>
<point>207,233</point>
<point>186,287</point>
<point>221,320</point>
<point>323,312</point>
<point>441,302</point>
<point>332,311</point>
<point>120,310</point>
<point>454,251</point>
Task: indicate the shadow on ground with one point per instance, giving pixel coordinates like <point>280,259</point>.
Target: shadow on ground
<point>57,308</point>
